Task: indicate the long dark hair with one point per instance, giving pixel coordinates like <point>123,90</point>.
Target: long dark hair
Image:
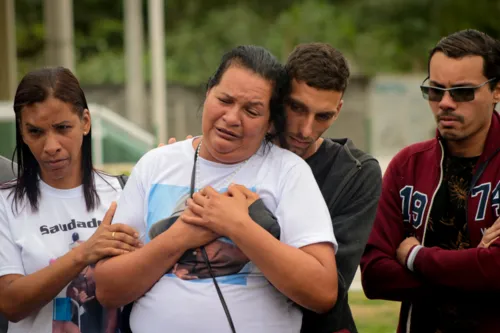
<point>262,62</point>
<point>36,87</point>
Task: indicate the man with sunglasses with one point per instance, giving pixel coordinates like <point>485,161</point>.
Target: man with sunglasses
<point>440,196</point>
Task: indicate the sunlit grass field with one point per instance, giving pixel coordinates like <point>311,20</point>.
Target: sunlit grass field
<point>373,316</point>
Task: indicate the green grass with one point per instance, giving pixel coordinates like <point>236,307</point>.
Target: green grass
<point>373,316</point>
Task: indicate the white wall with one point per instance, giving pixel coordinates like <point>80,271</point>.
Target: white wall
<point>399,115</point>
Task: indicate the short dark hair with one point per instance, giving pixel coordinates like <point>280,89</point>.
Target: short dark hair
<point>471,42</point>
<point>36,87</point>
<point>262,62</point>
<point>319,65</point>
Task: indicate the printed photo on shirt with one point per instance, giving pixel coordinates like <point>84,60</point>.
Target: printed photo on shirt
<point>77,309</point>
<point>224,256</point>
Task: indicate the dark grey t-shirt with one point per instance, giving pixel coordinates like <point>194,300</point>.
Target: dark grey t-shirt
<point>6,170</point>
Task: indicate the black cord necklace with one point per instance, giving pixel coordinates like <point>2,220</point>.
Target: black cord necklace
<point>202,248</point>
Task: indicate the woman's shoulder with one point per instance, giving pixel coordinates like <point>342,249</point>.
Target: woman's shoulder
<point>158,162</point>
<point>7,169</point>
<point>285,159</point>
<point>8,188</point>
<point>105,182</point>
<point>170,153</point>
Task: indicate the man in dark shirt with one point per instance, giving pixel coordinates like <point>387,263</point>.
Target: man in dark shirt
<point>447,229</point>
<point>349,179</point>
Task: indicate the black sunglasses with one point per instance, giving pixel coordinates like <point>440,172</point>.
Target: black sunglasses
<point>458,94</point>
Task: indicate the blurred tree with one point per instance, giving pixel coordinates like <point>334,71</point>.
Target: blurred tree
<point>311,21</point>
<point>377,35</point>
<point>194,51</point>
<point>396,35</point>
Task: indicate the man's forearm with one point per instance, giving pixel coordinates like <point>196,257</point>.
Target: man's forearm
<point>475,269</point>
<point>144,267</point>
<point>297,274</point>
<point>383,277</point>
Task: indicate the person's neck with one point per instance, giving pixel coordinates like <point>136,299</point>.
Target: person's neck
<point>314,148</point>
<point>203,152</point>
<point>72,181</point>
<point>471,147</point>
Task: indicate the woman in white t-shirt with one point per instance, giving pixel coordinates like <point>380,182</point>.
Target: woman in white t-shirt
<point>209,264</point>
<point>54,218</point>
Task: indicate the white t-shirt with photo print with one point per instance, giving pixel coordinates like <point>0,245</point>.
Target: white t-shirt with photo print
<point>30,241</point>
<point>185,299</point>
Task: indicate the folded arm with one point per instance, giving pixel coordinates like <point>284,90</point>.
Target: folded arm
<point>146,265</point>
<point>383,277</point>
<point>307,275</point>
<point>21,295</point>
<point>302,263</point>
<point>476,269</point>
